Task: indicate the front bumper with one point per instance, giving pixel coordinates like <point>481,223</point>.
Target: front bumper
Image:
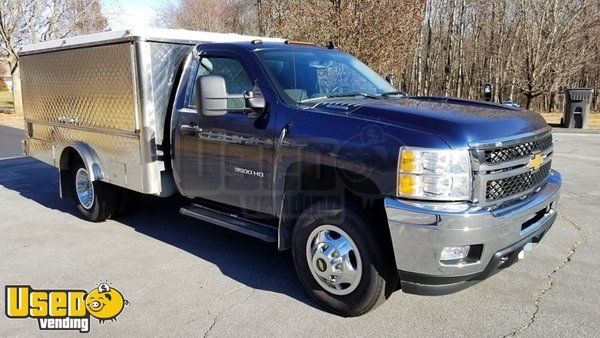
<point>419,232</point>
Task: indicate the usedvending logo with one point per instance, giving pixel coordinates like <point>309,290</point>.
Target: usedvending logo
<point>64,309</point>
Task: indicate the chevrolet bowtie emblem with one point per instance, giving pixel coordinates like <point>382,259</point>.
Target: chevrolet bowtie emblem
<point>536,162</point>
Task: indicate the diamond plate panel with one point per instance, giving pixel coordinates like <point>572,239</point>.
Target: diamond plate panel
<point>114,98</point>
<point>41,149</point>
<point>92,86</point>
<point>160,65</point>
<point>114,151</point>
<point>42,132</point>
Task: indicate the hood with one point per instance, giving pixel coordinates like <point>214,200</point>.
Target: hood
<point>456,121</point>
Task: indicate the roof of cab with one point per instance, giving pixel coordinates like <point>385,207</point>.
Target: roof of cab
<point>269,43</point>
<point>180,36</point>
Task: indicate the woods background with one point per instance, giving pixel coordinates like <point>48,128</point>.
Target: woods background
<point>528,49</point>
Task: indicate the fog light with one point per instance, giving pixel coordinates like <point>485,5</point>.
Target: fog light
<point>453,253</point>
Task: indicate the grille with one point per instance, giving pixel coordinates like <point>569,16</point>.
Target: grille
<point>505,187</point>
<point>499,155</point>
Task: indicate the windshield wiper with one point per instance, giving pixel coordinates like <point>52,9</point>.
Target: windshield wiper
<point>353,94</point>
<point>334,95</point>
<point>386,94</point>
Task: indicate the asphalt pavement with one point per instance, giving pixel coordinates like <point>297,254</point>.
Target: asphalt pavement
<point>184,277</point>
<point>10,142</point>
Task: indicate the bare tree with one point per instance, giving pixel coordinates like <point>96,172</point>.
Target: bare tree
<point>31,21</point>
<point>555,47</point>
<point>379,32</point>
<point>239,16</point>
<point>382,33</point>
<point>526,48</point>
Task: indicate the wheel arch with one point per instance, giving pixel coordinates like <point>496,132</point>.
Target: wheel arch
<point>306,183</point>
<point>88,156</point>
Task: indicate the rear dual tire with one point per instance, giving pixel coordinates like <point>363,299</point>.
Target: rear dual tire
<point>98,201</point>
<point>95,200</point>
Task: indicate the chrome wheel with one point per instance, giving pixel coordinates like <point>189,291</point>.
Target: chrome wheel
<point>84,188</point>
<point>333,259</point>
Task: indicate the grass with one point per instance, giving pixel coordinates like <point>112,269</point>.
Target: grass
<point>554,118</point>
<point>6,99</point>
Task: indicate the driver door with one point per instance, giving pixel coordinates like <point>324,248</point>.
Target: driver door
<point>226,159</point>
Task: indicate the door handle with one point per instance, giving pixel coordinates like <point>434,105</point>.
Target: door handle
<point>191,129</point>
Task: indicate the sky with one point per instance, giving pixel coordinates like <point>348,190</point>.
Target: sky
<point>124,14</point>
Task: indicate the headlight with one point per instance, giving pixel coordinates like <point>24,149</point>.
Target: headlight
<point>434,174</point>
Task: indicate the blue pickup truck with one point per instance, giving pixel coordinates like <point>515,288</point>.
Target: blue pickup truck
<point>373,190</point>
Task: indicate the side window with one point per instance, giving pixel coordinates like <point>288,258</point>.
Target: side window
<point>236,78</point>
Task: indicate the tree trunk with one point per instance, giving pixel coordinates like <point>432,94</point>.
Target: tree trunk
<point>17,103</point>
<point>528,99</point>
<point>461,52</point>
<point>448,66</point>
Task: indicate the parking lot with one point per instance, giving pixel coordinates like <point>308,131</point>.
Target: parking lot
<point>184,277</point>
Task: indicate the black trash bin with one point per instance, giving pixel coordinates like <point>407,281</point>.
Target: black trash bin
<point>577,107</point>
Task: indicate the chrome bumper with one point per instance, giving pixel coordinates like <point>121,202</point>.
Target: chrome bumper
<point>419,232</point>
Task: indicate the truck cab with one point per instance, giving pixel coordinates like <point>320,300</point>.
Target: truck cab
<point>332,131</point>
<point>305,146</point>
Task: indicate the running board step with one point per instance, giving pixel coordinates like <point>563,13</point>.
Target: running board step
<point>233,222</point>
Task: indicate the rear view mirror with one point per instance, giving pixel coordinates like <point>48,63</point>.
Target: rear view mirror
<point>211,95</point>
<point>390,79</point>
<point>255,99</point>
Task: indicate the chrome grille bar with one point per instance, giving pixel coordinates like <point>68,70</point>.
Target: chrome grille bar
<point>507,175</point>
<point>517,151</point>
<point>513,185</point>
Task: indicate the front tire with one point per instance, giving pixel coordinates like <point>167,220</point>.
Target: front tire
<point>340,261</point>
<point>96,201</point>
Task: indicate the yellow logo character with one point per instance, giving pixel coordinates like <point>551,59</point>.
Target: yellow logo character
<point>105,303</point>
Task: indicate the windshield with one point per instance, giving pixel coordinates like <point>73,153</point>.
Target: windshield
<point>304,76</point>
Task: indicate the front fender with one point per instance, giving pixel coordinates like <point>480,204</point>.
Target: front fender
<point>361,149</point>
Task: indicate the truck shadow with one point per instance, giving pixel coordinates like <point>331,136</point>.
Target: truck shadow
<point>245,259</point>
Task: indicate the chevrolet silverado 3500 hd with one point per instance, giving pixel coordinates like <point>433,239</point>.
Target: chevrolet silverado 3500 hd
<point>296,144</point>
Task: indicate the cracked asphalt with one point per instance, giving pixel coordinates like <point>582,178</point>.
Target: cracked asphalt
<point>183,277</point>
